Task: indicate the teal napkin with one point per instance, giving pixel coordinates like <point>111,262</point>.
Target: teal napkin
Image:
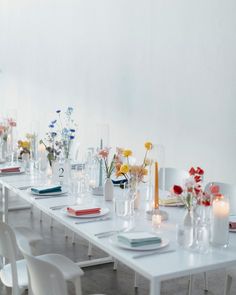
<point>137,239</point>
<point>45,190</point>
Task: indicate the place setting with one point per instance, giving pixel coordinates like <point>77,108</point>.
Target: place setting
<point>86,213</point>
<point>50,191</point>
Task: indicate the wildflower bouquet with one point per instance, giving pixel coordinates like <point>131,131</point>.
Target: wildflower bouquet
<point>59,138</point>
<point>133,173</point>
<point>191,193</point>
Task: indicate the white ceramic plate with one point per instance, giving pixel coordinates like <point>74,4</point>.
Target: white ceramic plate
<point>12,173</point>
<point>62,192</point>
<point>103,211</point>
<point>114,241</point>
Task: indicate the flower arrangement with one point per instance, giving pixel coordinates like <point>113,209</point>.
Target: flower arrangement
<point>191,193</point>
<point>24,147</point>
<point>61,134</point>
<point>6,128</point>
<point>131,172</point>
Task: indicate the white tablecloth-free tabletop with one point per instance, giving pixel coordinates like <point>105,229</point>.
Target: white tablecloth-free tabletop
<point>155,268</point>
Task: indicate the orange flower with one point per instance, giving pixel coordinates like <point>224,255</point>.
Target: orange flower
<point>148,145</point>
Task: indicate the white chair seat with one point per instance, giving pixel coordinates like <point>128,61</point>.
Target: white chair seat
<point>6,274</point>
<point>69,269</point>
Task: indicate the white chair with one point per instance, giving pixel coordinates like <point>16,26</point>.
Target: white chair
<point>13,274</point>
<point>171,176</point>
<point>48,273</point>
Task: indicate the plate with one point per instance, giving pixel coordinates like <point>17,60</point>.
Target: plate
<point>62,192</point>
<point>114,241</point>
<point>103,211</point>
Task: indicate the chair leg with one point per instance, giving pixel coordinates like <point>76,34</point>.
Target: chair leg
<point>136,279</point>
<point>90,249</point>
<point>205,282</point>
<point>51,222</point>
<point>73,238</point>
<point>41,216</point>
<point>228,283</point>
<point>190,284</point>
<point>66,233</point>
<point>77,283</point>
<point>115,264</point>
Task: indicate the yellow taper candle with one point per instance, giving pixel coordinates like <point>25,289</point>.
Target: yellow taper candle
<point>156,191</point>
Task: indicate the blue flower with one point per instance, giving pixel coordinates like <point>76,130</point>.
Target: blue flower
<point>58,111</point>
<point>53,122</point>
<point>51,126</point>
<point>72,130</point>
<point>72,137</point>
<point>53,134</point>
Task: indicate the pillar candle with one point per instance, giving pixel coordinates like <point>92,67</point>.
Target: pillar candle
<point>156,191</point>
<point>220,222</point>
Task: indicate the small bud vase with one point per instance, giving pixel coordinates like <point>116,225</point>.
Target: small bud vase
<point>108,190</point>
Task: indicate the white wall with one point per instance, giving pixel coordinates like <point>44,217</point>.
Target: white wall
<point>153,69</point>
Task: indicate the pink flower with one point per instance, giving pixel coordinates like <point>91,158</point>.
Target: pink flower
<point>214,189</point>
<point>11,122</point>
<point>103,153</point>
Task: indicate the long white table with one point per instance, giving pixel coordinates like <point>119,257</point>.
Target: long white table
<point>155,268</point>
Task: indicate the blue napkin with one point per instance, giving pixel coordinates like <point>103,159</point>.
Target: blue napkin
<point>46,190</point>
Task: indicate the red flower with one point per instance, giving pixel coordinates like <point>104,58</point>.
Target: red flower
<point>192,171</point>
<point>197,178</point>
<point>206,203</point>
<point>197,191</point>
<point>177,189</point>
<point>214,189</point>
<point>200,171</point>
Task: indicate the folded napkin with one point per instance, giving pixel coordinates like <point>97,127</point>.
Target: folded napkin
<point>232,225</point>
<point>170,201</point>
<point>137,239</point>
<point>10,169</point>
<point>78,210</point>
<point>46,190</point>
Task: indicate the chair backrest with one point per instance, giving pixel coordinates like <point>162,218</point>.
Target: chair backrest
<point>228,190</point>
<point>8,250</point>
<point>44,277</point>
<point>171,176</point>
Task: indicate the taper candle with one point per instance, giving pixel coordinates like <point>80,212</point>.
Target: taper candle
<point>156,191</point>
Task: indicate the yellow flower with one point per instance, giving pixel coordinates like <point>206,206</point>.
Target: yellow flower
<point>25,144</point>
<point>124,168</point>
<point>127,153</point>
<point>148,145</point>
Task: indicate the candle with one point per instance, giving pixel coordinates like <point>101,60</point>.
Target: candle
<point>42,148</point>
<point>156,192</point>
<point>156,220</point>
<point>220,222</point>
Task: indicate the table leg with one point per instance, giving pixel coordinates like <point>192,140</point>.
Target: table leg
<point>5,195</point>
<point>155,287</point>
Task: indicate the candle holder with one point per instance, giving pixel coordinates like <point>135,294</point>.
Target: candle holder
<point>157,211</point>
